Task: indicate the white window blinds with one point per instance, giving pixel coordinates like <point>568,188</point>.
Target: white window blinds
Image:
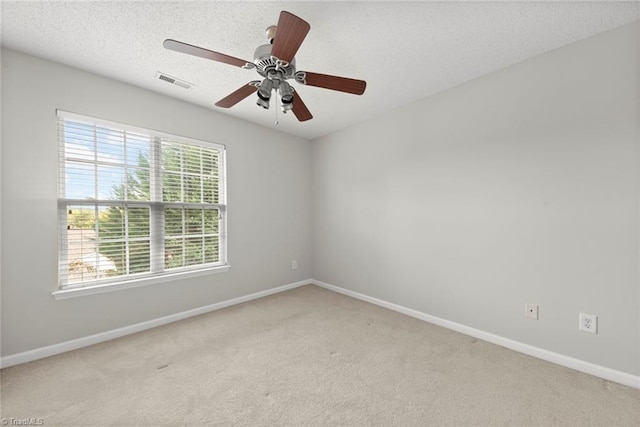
<point>136,203</point>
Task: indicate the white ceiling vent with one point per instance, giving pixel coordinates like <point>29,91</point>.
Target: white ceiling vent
<point>174,81</point>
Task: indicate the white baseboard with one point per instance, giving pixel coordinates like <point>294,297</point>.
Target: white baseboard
<point>569,362</point>
<point>559,359</point>
<point>40,353</point>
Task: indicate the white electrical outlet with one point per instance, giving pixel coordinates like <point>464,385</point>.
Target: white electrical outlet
<point>294,265</point>
<point>588,323</point>
<point>531,311</point>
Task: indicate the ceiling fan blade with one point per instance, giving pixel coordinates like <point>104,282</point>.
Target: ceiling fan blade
<point>325,81</point>
<point>341,84</point>
<point>300,110</point>
<point>289,36</point>
<point>205,53</point>
<point>237,96</point>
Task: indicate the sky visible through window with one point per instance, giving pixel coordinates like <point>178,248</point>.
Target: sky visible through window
<point>97,161</point>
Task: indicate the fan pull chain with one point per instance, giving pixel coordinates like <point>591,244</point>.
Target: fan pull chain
<point>276,107</point>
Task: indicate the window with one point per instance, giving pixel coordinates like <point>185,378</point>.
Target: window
<point>136,204</point>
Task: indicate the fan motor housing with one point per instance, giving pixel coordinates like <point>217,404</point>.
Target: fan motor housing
<point>265,63</point>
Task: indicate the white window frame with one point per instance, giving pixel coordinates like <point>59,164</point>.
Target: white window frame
<point>156,207</point>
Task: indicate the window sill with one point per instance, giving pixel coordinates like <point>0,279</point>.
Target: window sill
<point>128,284</point>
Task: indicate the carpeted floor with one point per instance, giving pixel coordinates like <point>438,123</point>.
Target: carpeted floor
<point>308,357</point>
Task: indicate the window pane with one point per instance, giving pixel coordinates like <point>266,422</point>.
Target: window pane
<point>193,221</point>
<point>173,256</point>
<point>138,150</point>
<point>110,146</point>
<point>211,246</point>
<point>79,141</point>
<point>81,242</point>
<point>210,189</point>
<point>91,266</point>
<point>139,257</point>
<point>193,253</point>
<point>210,221</point>
<point>111,183</point>
<point>111,259</point>
<point>209,162</point>
<point>80,151</point>
<point>171,157</point>
<point>81,218</point>
<point>139,184</point>
<point>138,222</point>
<point>192,188</point>
<point>111,223</point>
<point>191,159</point>
<point>171,187</point>
<point>79,181</point>
<point>173,222</point>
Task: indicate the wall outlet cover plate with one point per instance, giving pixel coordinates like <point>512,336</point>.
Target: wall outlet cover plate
<point>531,311</point>
<point>588,323</point>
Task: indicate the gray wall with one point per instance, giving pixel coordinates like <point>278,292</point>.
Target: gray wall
<point>268,204</point>
<point>518,187</point>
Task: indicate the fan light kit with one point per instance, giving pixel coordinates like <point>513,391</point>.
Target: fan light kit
<point>275,63</point>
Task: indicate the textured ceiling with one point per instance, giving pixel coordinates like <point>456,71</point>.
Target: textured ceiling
<point>404,50</point>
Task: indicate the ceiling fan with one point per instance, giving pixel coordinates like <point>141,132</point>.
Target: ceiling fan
<point>276,63</point>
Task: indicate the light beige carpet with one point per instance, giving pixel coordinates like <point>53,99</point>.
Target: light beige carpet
<point>308,357</point>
